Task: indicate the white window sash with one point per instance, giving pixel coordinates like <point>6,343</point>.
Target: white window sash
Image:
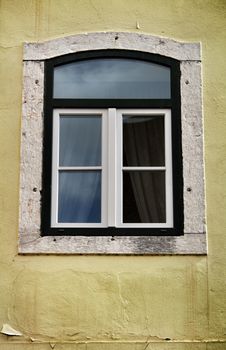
<point>167,168</point>
<point>56,168</point>
<point>112,167</point>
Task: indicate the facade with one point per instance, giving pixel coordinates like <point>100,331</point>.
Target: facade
<point>121,289</point>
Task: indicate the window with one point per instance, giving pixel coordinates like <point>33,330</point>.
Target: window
<point>112,167</point>
<point>175,106</point>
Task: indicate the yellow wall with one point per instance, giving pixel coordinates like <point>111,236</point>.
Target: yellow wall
<point>114,302</point>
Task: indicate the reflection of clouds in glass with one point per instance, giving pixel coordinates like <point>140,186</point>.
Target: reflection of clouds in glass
<point>112,78</point>
<point>80,196</point>
<point>80,140</point>
<point>138,119</point>
<point>113,69</point>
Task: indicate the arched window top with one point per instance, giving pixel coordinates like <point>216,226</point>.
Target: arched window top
<point>112,78</point>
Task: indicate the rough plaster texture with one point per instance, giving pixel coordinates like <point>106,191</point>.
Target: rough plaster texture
<point>116,346</point>
<point>114,40</point>
<point>192,144</point>
<point>119,303</point>
<point>192,135</point>
<point>137,245</point>
<point>31,148</point>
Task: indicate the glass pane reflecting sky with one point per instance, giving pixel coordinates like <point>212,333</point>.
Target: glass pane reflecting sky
<point>111,78</point>
<point>80,140</point>
<point>79,196</point>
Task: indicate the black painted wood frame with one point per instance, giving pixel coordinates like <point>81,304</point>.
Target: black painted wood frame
<point>173,103</point>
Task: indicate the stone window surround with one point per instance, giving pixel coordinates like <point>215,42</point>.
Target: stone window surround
<point>194,239</point>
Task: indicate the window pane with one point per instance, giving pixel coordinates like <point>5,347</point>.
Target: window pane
<point>79,196</point>
<point>143,141</point>
<point>80,140</point>
<point>144,197</point>
<point>111,78</point>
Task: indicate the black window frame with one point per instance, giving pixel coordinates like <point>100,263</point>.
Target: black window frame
<point>173,103</point>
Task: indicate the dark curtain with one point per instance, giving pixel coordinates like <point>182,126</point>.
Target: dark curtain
<point>143,145</point>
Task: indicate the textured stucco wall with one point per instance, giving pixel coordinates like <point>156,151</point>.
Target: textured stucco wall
<point>114,302</point>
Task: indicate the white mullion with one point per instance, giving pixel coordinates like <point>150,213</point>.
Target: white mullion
<point>104,169</point>
<point>168,172</point>
<point>61,168</point>
<point>55,168</point>
<point>112,167</point>
<point>119,166</point>
<point>143,168</point>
